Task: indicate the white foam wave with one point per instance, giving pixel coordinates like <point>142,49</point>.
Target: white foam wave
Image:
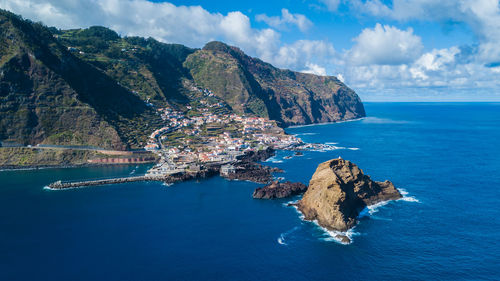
<point>277,161</point>
<point>331,143</point>
<point>406,197</point>
<point>353,148</point>
<point>167,184</point>
<point>293,204</point>
<point>372,209</point>
<point>333,235</point>
<point>410,199</point>
<point>271,159</point>
<point>330,148</point>
<point>281,239</point>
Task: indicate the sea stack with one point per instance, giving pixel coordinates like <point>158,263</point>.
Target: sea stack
<point>338,191</point>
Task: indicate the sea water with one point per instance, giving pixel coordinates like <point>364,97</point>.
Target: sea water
<point>445,159</point>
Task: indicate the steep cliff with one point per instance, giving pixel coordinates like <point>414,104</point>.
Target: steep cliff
<point>250,85</point>
<point>337,193</point>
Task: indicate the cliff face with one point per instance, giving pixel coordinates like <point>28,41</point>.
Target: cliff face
<point>48,95</point>
<point>250,85</point>
<point>338,191</point>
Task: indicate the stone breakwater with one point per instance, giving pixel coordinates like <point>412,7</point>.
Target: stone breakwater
<point>58,185</point>
<point>77,184</point>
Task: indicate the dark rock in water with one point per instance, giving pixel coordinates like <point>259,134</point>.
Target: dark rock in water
<point>343,238</point>
<point>337,193</point>
<point>252,172</point>
<point>258,155</point>
<point>279,190</point>
<point>298,153</point>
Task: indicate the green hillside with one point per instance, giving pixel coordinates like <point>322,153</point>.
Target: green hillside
<point>93,87</point>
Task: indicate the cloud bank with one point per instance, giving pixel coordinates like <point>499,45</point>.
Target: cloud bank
<point>383,60</point>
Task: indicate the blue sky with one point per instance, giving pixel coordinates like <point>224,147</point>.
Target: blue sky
<point>400,50</point>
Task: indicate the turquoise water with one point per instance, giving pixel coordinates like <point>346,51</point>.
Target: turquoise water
<point>445,156</point>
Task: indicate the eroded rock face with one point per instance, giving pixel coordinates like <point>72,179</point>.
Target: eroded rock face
<point>279,190</point>
<point>337,193</point>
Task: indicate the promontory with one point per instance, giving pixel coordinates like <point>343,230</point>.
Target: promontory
<point>337,193</point>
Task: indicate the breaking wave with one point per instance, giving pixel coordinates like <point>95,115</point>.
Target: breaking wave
<point>332,235</point>
<point>328,235</point>
<point>281,239</point>
<point>406,197</point>
<point>271,159</point>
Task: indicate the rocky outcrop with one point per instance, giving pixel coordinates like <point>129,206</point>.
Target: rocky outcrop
<point>250,171</point>
<point>257,155</point>
<point>337,193</point>
<point>279,190</point>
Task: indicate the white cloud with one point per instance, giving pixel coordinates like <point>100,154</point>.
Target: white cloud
<point>482,16</point>
<point>340,76</point>
<point>385,45</point>
<point>331,5</point>
<point>314,69</point>
<point>287,18</point>
<point>434,62</point>
<point>302,52</point>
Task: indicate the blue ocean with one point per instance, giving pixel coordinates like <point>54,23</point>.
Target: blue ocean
<point>445,157</point>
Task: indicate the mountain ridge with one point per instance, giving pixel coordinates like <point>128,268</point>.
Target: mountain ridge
<point>93,87</point>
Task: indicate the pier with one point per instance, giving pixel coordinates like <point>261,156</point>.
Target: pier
<point>76,184</point>
<point>167,178</point>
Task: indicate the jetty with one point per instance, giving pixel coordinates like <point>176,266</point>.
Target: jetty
<point>75,184</point>
<point>167,178</point>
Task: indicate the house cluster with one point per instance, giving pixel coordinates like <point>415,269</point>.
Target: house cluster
<point>196,144</point>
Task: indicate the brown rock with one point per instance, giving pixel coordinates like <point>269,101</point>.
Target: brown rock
<point>343,238</point>
<point>279,190</point>
<point>338,191</point>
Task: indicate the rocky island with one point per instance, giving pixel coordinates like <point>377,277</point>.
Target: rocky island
<point>279,190</point>
<point>338,191</point>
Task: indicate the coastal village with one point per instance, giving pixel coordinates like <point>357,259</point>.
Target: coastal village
<point>205,135</point>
